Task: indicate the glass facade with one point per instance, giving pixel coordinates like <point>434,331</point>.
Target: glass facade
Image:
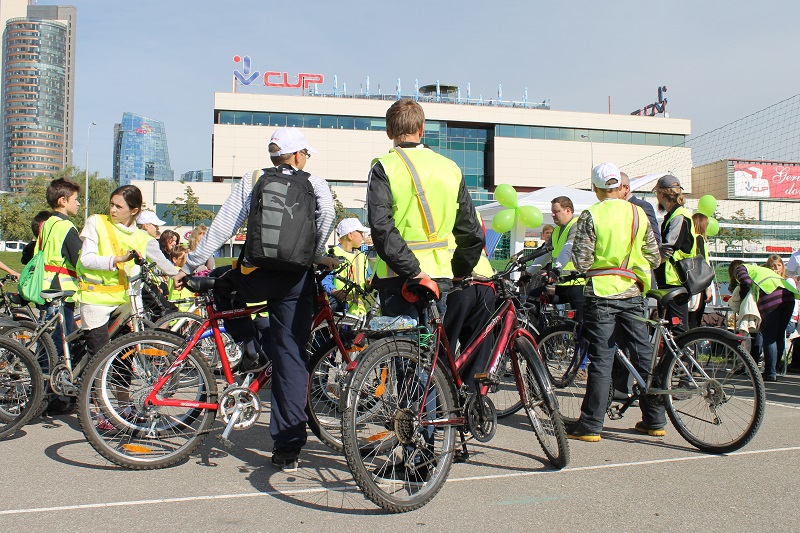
<point>140,150</point>
<point>34,100</point>
<point>197,176</point>
<point>467,147</point>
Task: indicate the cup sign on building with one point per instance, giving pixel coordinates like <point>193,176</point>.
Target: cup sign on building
<point>273,78</point>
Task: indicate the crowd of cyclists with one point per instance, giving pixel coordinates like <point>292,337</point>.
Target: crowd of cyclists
<point>426,233</point>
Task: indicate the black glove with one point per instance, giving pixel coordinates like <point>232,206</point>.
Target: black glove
<point>553,274</point>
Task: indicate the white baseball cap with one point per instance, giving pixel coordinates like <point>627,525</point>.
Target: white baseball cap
<point>149,217</point>
<point>349,224</point>
<point>606,176</point>
<point>289,141</point>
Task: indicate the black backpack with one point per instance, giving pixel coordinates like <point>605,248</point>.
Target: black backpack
<point>281,226</point>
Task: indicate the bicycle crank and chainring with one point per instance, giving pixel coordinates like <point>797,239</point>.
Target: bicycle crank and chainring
<point>243,400</point>
<point>61,381</point>
<point>481,418</point>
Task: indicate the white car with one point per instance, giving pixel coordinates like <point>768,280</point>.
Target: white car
<point>12,246</point>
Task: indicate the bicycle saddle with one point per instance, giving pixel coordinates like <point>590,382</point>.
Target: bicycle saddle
<point>201,284</point>
<point>665,296</point>
<point>416,288</point>
<point>51,294</point>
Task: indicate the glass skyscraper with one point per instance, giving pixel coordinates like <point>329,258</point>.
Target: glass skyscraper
<point>140,150</point>
<point>38,85</point>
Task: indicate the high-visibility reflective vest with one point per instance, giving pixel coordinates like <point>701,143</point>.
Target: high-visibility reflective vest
<point>424,188</point>
<point>55,230</point>
<point>768,280</point>
<point>559,240</point>
<point>621,229</point>
<point>355,272</point>
<point>670,273</point>
<point>182,294</point>
<point>109,287</point>
<point>483,268</point>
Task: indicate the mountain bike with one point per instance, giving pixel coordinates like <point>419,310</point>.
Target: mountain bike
<point>21,387</point>
<point>405,401</point>
<point>712,388</point>
<point>160,398</point>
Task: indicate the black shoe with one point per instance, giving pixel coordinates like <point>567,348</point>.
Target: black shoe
<point>256,364</point>
<point>61,405</point>
<point>398,473</point>
<point>771,379</point>
<point>620,396</point>
<point>286,460</point>
<point>578,432</point>
<point>460,456</point>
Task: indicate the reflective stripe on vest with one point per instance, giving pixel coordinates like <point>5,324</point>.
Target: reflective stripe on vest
<point>108,287</point>
<point>425,203</point>
<point>670,273</point>
<point>619,262</point>
<point>559,240</point>
<point>767,280</point>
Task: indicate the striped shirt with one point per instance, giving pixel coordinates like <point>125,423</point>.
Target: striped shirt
<point>766,302</point>
<point>233,215</point>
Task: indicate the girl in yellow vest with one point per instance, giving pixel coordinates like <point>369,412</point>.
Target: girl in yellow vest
<point>178,257</point>
<point>776,301</point>
<point>110,244</point>
<point>677,242</point>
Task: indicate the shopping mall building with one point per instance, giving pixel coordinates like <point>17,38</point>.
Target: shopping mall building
<point>525,145</point>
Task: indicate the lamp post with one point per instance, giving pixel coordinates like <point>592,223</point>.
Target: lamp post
<point>86,191</point>
<point>591,146</point>
<point>233,165</point>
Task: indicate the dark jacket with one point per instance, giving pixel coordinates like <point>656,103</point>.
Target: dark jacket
<point>651,215</point>
<point>391,247</point>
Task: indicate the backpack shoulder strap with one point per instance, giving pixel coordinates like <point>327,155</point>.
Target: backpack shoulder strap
<point>112,236</point>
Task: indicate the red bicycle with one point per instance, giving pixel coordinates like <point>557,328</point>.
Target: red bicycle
<point>406,402</point>
<point>150,398</point>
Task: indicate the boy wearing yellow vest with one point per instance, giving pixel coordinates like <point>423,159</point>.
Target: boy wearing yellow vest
<point>351,234</point>
<point>616,248</point>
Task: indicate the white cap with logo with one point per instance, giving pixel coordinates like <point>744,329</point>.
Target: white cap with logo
<point>606,176</point>
<point>349,224</point>
<point>289,141</point>
<point>149,217</point>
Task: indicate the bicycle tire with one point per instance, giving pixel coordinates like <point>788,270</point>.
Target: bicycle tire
<point>206,346</point>
<point>321,334</point>
<point>542,412</point>
<point>44,351</point>
<point>325,384</point>
<point>734,392</point>
<point>390,375</point>
<point>21,386</point>
<point>562,361</point>
<point>137,437</point>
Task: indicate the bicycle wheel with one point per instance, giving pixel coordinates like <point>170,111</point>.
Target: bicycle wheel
<point>543,414</point>
<point>725,411</point>
<point>562,357</point>
<point>21,386</point>
<point>504,394</point>
<point>326,377</point>
<point>111,402</point>
<point>43,350</point>
<point>186,324</point>
<point>397,460</point>
<point>321,334</point>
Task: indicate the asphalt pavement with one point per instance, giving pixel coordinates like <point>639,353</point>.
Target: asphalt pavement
<point>53,480</point>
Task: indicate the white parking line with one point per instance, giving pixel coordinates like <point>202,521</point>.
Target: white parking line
<point>133,503</point>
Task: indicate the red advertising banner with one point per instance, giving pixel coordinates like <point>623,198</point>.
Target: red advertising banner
<point>766,180</point>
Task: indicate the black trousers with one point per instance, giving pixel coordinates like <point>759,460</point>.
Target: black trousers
<point>290,305</point>
<point>468,311</point>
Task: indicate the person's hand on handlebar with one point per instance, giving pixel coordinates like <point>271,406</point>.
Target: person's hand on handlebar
<point>552,275</point>
<point>132,254</point>
<point>178,279</point>
<point>328,263</point>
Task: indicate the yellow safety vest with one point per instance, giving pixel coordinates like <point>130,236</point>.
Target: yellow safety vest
<point>767,280</point>
<point>182,294</point>
<point>559,240</point>
<point>424,188</point>
<point>55,230</point>
<point>614,222</point>
<point>670,273</point>
<point>109,287</point>
<point>357,273</point>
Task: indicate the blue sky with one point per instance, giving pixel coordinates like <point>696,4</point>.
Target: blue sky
<point>165,59</point>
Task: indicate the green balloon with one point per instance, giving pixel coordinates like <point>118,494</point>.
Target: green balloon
<point>506,196</point>
<point>713,227</point>
<point>504,220</point>
<point>707,205</point>
<point>530,215</point>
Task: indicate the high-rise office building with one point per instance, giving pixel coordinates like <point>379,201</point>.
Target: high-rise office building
<point>38,94</point>
<point>206,175</point>
<point>140,150</point>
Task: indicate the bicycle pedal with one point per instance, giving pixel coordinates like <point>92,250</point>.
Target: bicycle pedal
<point>614,413</point>
<point>486,379</point>
<point>460,456</point>
<point>225,442</point>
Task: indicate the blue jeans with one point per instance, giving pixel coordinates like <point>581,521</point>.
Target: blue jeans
<point>602,317</point>
<point>773,332</point>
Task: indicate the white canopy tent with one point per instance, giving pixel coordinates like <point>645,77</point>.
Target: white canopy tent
<point>542,199</point>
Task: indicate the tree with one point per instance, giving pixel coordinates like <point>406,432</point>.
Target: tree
<point>16,211</point>
<point>738,234</point>
<point>187,212</point>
